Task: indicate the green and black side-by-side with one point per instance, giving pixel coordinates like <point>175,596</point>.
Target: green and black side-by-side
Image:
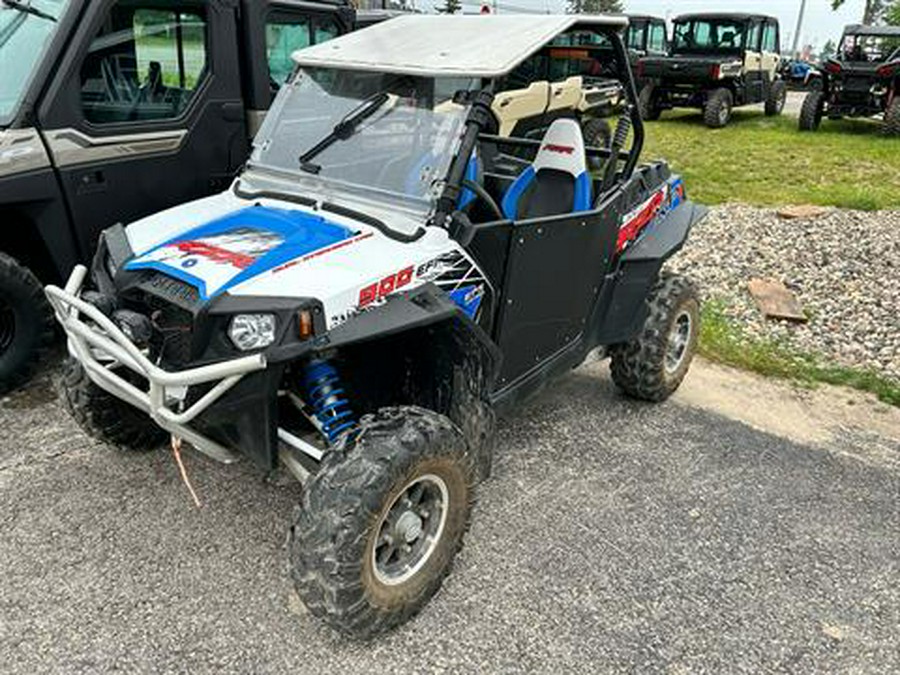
<point>862,80</point>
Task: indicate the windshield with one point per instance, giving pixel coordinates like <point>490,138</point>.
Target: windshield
<point>401,141</point>
<point>24,38</point>
<point>869,48</point>
<point>636,37</point>
<point>708,35</point>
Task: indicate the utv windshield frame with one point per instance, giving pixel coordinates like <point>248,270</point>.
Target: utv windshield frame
<point>475,126</point>
<point>846,55</point>
<point>716,29</point>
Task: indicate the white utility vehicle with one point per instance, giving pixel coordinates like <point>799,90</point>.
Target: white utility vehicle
<point>381,280</point>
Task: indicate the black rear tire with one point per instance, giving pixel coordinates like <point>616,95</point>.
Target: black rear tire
<point>341,541</point>
<point>105,417</point>
<point>652,365</point>
<point>648,104</point>
<point>812,110</point>
<point>597,133</point>
<point>717,111</point>
<point>776,99</point>
<point>26,323</point>
<point>892,119</point>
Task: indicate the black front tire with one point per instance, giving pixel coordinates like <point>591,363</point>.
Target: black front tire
<point>105,417</point>
<point>812,110</point>
<point>892,119</point>
<point>26,323</point>
<point>776,99</point>
<point>337,556</point>
<point>653,364</point>
<point>648,103</point>
<point>717,111</point>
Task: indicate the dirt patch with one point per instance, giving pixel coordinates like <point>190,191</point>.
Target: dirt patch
<point>816,416</point>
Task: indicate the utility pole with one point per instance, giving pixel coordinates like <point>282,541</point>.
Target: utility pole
<point>799,28</point>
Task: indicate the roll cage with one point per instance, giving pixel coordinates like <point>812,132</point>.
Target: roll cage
<point>478,129</point>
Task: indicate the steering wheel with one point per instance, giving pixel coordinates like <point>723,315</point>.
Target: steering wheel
<point>484,196</point>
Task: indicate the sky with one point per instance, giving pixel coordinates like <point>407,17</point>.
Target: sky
<point>820,24</point>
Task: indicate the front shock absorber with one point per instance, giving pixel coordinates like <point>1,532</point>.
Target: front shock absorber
<point>326,398</point>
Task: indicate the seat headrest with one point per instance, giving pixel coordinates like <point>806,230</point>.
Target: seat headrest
<point>562,149</point>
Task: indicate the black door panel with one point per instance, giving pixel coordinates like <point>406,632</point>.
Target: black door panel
<point>553,276</point>
<point>148,112</point>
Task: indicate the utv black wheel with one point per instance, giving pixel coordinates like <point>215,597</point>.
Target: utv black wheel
<point>597,134</point>
<point>652,365</point>
<point>892,119</point>
<point>380,523</point>
<point>777,98</point>
<point>812,110</point>
<point>717,112</point>
<point>105,417</point>
<point>26,323</point>
<point>648,103</point>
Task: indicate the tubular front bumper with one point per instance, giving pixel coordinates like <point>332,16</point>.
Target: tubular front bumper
<point>101,347</point>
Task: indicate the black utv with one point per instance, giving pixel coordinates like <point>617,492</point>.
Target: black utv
<point>647,36</point>
<point>716,62</point>
<point>114,109</point>
<point>862,80</point>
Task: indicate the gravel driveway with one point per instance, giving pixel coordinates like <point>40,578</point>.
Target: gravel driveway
<point>613,537</point>
<point>844,268</point>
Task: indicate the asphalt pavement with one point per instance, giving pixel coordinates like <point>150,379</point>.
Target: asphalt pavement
<point>613,537</point>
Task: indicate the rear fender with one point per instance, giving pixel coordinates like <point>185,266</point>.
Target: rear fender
<point>624,307</point>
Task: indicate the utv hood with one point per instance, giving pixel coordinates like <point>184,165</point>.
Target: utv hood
<point>239,246</point>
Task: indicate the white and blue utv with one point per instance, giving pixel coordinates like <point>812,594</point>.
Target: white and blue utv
<point>384,277</point>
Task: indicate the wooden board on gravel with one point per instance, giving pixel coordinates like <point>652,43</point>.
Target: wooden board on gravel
<point>775,301</point>
<point>802,211</point>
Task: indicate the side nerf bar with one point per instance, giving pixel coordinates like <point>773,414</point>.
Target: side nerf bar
<point>91,342</point>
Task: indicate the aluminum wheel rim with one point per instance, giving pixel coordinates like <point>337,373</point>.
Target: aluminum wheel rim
<point>724,112</point>
<point>7,325</point>
<point>410,529</point>
<point>679,339</point>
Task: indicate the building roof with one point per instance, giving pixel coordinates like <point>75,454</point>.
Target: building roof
<point>434,45</point>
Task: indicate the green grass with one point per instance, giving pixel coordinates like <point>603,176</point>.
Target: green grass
<point>722,340</point>
<point>767,161</point>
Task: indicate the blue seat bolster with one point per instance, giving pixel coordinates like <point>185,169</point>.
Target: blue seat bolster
<point>582,193</point>
<point>515,191</point>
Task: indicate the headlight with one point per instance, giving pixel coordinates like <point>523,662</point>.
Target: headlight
<point>252,331</point>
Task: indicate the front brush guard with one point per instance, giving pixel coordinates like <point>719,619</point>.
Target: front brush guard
<point>100,346</point>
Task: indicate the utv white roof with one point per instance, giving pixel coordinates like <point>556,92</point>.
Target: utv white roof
<point>434,45</point>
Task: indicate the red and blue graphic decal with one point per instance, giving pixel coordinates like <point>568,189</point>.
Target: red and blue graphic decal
<point>229,250</point>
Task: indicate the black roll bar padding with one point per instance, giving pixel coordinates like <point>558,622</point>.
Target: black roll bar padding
<point>479,117</point>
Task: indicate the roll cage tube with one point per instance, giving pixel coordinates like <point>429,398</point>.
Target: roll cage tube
<point>637,123</point>
<point>479,118</point>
